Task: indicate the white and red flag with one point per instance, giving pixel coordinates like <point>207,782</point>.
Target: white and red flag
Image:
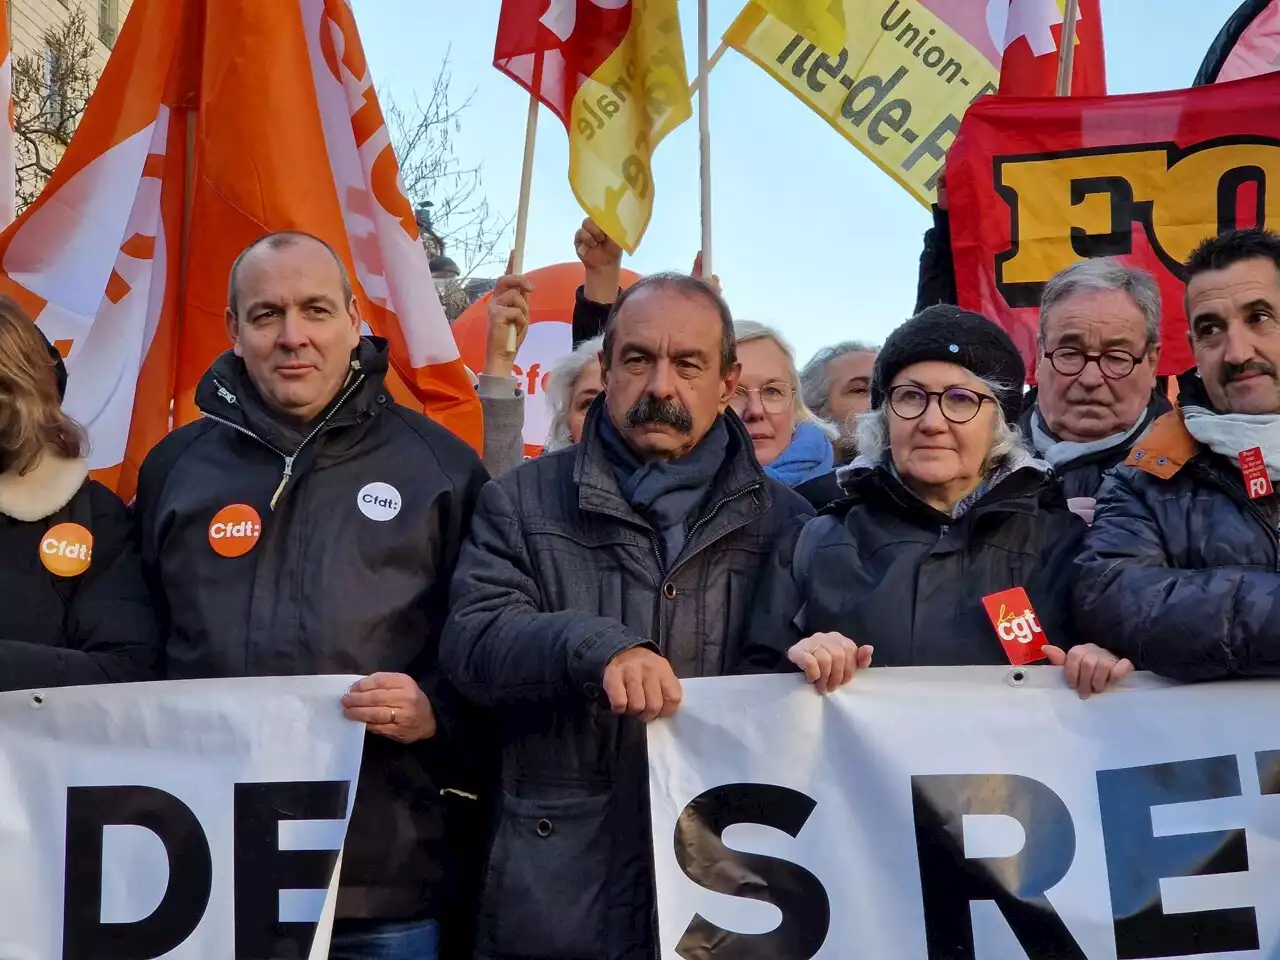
<point>1032,31</point>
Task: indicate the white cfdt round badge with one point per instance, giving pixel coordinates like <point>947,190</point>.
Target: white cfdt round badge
<point>379,501</point>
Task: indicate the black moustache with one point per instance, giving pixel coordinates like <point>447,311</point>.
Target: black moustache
<point>666,412</point>
<point>1232,371</point>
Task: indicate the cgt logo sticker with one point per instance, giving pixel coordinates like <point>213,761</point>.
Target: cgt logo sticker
<point>235,530</point>
<point>1016,625</point>
<point>1064,207</point>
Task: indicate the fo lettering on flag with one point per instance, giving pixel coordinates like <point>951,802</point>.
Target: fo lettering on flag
<point>176,167</point>
<point>613,72</point>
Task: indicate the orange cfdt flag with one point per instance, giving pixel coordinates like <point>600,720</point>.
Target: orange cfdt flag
<point>215,123</point>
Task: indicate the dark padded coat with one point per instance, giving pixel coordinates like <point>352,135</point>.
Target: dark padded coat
<point>1181,570</point>
<point>884,568</point>
<point>558,576</point>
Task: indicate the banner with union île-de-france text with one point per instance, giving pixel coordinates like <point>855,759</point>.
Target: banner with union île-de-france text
<point>897,89</point>
<point>972,812</point>
<point>196,819</point>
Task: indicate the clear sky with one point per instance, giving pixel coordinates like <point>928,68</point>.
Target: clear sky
<point>809,235</point>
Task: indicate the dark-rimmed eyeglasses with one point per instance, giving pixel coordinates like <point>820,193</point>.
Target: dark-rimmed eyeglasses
<point>1113,364</point>
<point>958,404</point>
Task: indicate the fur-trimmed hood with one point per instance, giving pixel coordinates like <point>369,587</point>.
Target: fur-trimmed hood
<point>43,491</point>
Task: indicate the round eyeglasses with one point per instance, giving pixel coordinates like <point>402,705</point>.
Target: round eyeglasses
<point>958,404</point>
<point>1113,364</point>
<point>774,398</point>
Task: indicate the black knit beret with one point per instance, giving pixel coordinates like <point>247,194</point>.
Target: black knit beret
<point>956,336</point>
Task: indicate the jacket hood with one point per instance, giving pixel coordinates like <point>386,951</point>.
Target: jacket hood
<point>44,490</point>
<point>226,392</point>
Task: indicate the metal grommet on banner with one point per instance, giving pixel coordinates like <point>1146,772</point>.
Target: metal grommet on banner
<point>544,828</point>
<point>37,701</point>
<point>1016,677</point>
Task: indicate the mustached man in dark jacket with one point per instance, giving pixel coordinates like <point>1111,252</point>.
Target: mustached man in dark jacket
<point>945,507</point>
<point>74,608</point>
<point>309,525</point>
<point>593,580</point>
<point>1181,570</point>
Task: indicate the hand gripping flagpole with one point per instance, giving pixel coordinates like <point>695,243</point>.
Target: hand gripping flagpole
<point>704,137</point>
<point>522,212</point>
<point>1067,52</point>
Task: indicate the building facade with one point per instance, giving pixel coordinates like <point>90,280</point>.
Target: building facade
<point>29,20</point>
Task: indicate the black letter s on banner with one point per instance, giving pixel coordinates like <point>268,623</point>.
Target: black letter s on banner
<point>702,855</point>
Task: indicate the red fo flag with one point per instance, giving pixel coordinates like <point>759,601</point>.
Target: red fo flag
<point>1032,41</point>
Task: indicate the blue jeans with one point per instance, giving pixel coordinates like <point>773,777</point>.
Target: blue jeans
<point>393,940</point>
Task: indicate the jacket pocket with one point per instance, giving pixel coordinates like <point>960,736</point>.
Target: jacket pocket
<point>545,894</point>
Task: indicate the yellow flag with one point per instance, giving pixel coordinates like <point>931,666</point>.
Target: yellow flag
<point>818,21</point>
<point>621,113</point>
<point>896,88</point>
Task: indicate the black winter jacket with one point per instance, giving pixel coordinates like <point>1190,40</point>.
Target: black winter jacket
<point>557,577</point>
<point>97,627</point>
<point>589,318</point>
<point>1180,571</point>
<point>937,280</point>
<point>345,579</point>
<point>884,568</point>
<point>1083,477</point>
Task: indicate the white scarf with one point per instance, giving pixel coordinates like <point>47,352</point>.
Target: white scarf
<point>1059,453</point>
<point>1229,434</point>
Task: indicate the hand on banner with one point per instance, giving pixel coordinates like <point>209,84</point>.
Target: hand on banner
<point>830,660</point>
<point>391,705</point>
<point>1090,669</point>
<point>603,260</point>
<point>942,203</point>
<point>1082,507</point>
<point>713,281</point>
<point>508,311</point>
<point>642,684</point>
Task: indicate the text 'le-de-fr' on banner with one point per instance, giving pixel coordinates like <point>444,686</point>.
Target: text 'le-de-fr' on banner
<point>896,91</point>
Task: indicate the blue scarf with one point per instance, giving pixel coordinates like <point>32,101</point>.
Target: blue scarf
<point>808,456</point>
<point>667,493</point>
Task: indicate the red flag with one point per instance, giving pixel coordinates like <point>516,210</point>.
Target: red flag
<point>1032,41</point>
<point>1037,185</point>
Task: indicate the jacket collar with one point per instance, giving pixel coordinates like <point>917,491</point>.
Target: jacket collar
<point>1168,446</point>
<point>598,490</point>
<point>226,393</point>
<point>42,491</point>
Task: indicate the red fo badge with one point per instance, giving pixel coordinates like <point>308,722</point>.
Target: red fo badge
<point>1256,479</point>
<point>1016,625</point>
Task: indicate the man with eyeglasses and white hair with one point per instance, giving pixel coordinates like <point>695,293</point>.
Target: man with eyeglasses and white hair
<point>1096,373</point>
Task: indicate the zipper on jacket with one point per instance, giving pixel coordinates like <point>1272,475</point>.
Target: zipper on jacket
<point>288,460</point>
<point>716,509</point>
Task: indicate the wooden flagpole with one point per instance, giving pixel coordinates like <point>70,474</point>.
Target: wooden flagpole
<point>1067,52</point>
<point>704,137</point>
<point>522,212</point>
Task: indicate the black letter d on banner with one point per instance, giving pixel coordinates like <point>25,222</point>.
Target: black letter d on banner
<point>89,811</point>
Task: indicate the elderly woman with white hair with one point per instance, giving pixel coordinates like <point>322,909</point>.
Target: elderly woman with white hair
<point>573,383</point>
<point>791,444</point>
<point>946,508</point>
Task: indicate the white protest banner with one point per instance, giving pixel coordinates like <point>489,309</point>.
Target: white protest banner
<point>196,820</point>
<point>975,812</point>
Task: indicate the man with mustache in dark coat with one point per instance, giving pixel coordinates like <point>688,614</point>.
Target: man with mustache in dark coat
<point>593,580</point>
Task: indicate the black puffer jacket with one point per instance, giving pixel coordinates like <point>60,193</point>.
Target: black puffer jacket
<point>1180,571</point>
<point>94,627</point>
<point>1082,477</point>
<point>558,576</point>
<point>884,568</point>
<point>336,584</point>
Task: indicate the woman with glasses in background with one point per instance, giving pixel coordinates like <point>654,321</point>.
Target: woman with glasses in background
<point>791,444</point>
<point>945,506</point>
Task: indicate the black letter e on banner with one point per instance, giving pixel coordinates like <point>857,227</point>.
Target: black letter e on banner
<point>702,855</point>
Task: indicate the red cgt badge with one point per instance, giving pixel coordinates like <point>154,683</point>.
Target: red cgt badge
<point>1256,479</point>
<point>1016,625</point>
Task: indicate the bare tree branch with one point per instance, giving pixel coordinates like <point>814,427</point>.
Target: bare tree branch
<point>50,92</point>
<point>449,195</point>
